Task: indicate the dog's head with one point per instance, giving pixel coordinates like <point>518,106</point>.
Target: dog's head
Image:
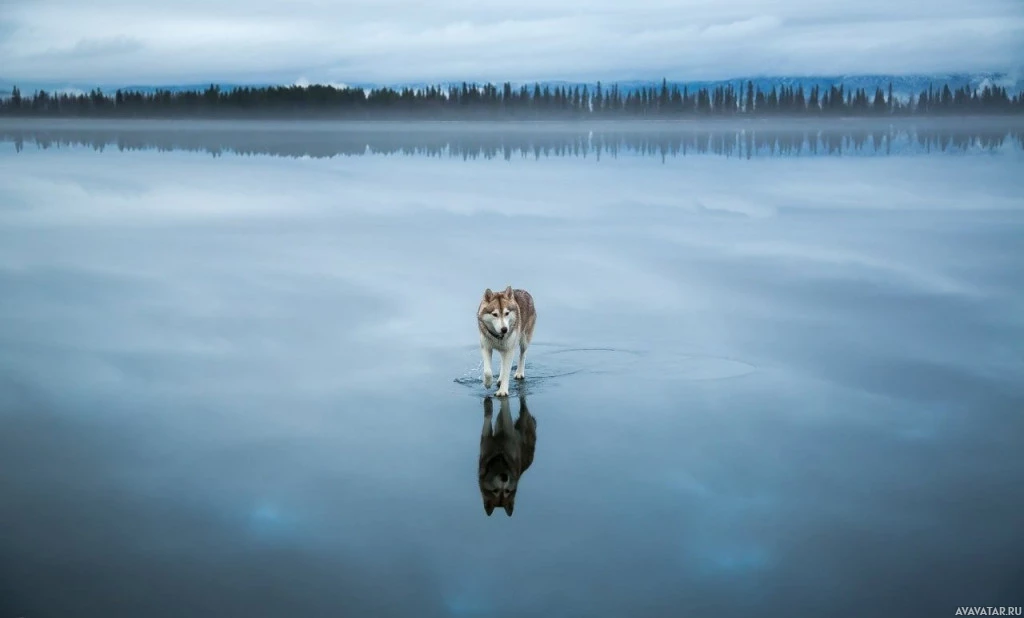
<point>498,481</point>
<point>498,312</point>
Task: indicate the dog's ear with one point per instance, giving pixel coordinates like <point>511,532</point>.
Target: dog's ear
<point>508,292</point>
<point>508,508</point>
<point>488,295</point>
<point>488,508</point>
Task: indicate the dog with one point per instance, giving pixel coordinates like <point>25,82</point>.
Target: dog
<point>505,319</point>
<point>506,451</point>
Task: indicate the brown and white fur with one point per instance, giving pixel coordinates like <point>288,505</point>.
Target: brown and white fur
<point>506,451</point>
<point>505,320</point>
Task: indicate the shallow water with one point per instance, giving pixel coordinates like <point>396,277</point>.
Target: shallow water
<point>769,377</point>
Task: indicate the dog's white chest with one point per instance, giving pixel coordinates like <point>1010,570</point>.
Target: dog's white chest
<point>507,342</point>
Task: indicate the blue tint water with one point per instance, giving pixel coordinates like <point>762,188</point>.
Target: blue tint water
<point>767,380</point>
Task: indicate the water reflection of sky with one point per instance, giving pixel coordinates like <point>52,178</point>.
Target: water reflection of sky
<point>245,384</point>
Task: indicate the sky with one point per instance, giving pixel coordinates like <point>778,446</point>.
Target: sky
<point>396,41</point>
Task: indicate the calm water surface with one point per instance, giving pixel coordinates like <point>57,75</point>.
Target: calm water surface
<point>777,370</point>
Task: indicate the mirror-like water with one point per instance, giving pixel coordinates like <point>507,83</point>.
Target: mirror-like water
<point>777,369</point>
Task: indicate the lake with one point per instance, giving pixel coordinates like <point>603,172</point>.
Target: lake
<point>778,368</point>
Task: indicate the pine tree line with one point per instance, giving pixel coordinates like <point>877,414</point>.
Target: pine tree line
<point>490,101</point>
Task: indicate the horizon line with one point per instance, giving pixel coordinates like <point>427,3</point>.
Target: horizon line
<point>340,83</point>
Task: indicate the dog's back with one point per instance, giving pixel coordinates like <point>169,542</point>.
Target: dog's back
<point>527,315</point>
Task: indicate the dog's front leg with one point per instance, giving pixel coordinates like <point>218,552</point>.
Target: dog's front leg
<point>488,429</point>
<point>504,373</point>
<point>505,425</point>
<point>485,351</point>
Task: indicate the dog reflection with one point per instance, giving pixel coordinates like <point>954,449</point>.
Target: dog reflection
<point>506,451</point>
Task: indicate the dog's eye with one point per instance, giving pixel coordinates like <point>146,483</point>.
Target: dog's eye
<point>494,313</point>
<point>507,312</point>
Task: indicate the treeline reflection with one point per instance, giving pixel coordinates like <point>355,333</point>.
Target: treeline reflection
<point>747,143</point>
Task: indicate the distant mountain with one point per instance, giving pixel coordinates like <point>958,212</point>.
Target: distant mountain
<point>903,85</point>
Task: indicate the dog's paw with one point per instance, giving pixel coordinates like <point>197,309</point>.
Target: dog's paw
<point>488,378</point>
<point>502,391</point>
<point>520,375</point>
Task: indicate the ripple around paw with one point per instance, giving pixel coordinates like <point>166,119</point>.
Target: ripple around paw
<point>545,365</point>
<point>534,373</point>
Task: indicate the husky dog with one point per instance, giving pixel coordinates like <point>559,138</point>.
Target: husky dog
<point>505,319</point>
<point>506,451</point>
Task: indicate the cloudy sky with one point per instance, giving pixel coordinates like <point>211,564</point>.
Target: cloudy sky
<point>344,41</point>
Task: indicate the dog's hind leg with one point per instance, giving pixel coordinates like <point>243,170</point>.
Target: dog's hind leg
<point>524,342</point>
<point>521,365</point>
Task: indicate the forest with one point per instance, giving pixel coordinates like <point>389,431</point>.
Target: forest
<point>488,101</point>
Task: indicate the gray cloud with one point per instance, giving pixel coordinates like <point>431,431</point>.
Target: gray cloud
<point>91,49</point>
<point>111,41</point>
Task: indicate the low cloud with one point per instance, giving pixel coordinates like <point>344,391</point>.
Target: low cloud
<point>94,49</point>
<point>110,41</point>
